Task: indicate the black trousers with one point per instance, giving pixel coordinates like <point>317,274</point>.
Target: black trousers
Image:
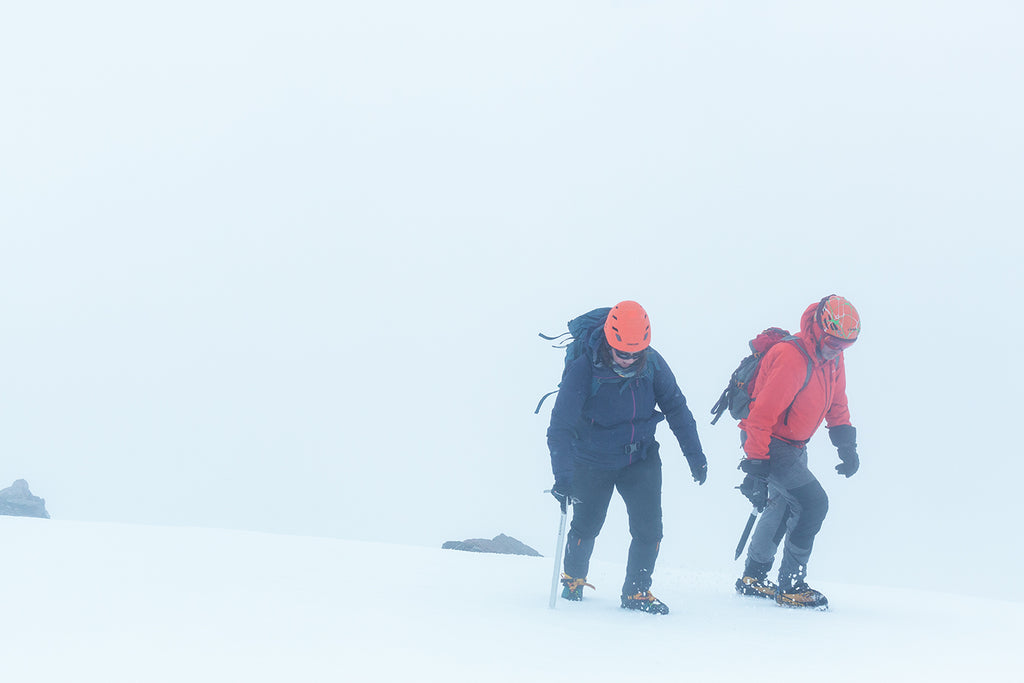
<point>639,485</point>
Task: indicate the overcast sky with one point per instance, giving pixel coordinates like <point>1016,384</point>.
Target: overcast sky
<point>281,266</point>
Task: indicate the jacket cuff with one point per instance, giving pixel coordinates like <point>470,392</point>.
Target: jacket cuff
<point>696,460</point>
<point>843,436</point>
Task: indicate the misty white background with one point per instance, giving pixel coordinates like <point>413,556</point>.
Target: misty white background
<point>281,267</point>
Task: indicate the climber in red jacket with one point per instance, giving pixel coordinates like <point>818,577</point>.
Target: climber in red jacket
<point>783,417</point>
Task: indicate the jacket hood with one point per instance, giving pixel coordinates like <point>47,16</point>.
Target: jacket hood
<point>810,332</point>
<point>808,329</point>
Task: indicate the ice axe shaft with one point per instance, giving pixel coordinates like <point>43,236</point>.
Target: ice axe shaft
<point>746,533</point>
<point>559,546</point>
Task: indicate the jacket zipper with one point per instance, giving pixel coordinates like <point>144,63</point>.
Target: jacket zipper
<point>632,419</point>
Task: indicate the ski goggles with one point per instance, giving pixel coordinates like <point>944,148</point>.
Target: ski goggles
<point>837,343</point>
<point>625,355</point>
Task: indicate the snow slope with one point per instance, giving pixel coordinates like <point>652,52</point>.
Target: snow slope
<point>109,602</point>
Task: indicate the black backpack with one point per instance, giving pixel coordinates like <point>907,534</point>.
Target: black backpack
<point>579,341</point>
<point>736,397</point>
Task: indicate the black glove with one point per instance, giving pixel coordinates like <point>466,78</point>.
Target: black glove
<point>850,462</point>
<point>562,491</point>
<point>698,468</point>
<point>755,484</point>
<point>755,466</point>
<point>844,438</point>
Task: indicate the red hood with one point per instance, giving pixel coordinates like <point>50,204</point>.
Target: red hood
<point>807,327</point>
<point>810,332</point>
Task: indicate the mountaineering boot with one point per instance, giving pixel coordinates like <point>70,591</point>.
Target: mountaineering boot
<point>801,595</point>
<point>645,602</point>
<point>760,588</point>
<point>573,588</point>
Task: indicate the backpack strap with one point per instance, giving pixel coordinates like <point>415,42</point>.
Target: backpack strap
<point>542,399</point>
<point>560,338</point>
<point>722,404</point>
<point>810,363</point>
<point>810,371</point>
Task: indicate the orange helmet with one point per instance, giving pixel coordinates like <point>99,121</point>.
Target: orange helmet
<point>839,318</point>
<point>627,327</point>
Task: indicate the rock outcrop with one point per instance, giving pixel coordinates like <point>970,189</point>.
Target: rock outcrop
<point>502,544</point>
<point>18,501</point>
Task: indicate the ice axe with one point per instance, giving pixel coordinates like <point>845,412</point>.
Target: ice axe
<point>746,533</point>
<point>559,546</point>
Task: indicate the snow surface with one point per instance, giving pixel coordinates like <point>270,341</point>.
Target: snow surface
<point>113,602</point>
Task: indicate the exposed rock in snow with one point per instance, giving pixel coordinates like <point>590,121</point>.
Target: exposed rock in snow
<point>18,501</point>
<point>505,545</point>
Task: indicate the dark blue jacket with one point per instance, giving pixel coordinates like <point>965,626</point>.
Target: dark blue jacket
<point>608,421</point>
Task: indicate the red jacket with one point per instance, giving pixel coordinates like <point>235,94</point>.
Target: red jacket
<point>782,373</point>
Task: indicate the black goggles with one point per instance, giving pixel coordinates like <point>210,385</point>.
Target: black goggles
<point>836,343</point>
<point>625,355</point>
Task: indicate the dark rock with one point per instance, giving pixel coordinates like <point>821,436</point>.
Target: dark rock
<point>502,544</point>
<point>18,501</point>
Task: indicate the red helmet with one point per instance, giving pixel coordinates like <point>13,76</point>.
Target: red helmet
<point>839,318</point>
<point>627,327</point>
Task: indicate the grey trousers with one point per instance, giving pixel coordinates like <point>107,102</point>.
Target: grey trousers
<point>797,505</point>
